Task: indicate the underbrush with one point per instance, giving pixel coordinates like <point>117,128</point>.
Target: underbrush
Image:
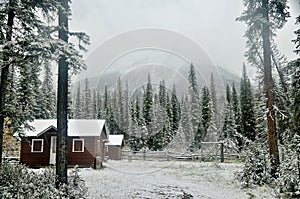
<point>257,170</point>
<point>18,181</point>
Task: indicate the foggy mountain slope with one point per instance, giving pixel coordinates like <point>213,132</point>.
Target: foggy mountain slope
<point>137,78</point>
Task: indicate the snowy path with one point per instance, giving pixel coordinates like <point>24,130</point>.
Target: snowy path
<point>158,179</point>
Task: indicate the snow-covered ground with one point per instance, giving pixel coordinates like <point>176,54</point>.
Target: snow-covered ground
<point>163,179</point>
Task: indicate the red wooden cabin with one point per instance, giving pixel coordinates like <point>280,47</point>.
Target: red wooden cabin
<point>114,147</point>
<point>85,143</point>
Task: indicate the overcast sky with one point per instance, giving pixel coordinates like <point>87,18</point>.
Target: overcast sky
<point>209,23</point>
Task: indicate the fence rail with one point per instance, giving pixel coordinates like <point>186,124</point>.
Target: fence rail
<point>208,151</point>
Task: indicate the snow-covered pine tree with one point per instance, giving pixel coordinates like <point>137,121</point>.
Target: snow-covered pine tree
<point>113,114</point>
<point>167,118</point>
<point>229,134</point>
<point>138,115</point>
<point>87,101</point>
<point>48,107</point>
<point>162,93</point>
<point>168,109</point>
<point>21,23</point>
<point>237,116</point>
<point>78,114</point>
<point>135,140</point>
<point>236,107</point>
<point>247,121</point>
<point>205,111</point>
<point>296,83</point>
<point>215,113</point>
<point>156,139</point>
<point>194,106</point>
<point>186,123</point>
<point>100,108</point>
<point>11,99</point>
<point>263,18</point>
<point>105,102</point>
<point>120,105</point>
<point>127,115</point>
<point>28,89</point>
<point>289,179</point>
<point>94,104</point>
<point>148,103</point>
<point>175,107</point>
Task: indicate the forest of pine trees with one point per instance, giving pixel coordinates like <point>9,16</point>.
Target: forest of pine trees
<point>152,118</point>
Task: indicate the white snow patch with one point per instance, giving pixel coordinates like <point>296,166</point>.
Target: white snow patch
<point>163,179</point>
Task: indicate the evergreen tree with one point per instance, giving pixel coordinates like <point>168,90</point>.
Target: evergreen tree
<point>95,105</point>
<point>138,117</point>
<point>28,93</point>
<point>175,108</point>
<point>48,107</point>
<point>295,91</point>
<point>148,102</point>
<point>185,122</point>
<point>162,93</point>
<point>215,114</point>
<point>100,111</point>
<point>120,105</point>
<point>237,117</point>
<point>87,101</point>
<point>127,115</point>
<point>236,108</point>
<point>168,108</point>
<point>291,168</point>
<point>20,22</point>
<point>229,136</point>
<point>114,114</point>
<point>78,104</point>
<point>106,102</point>
<point>205,111</point>
<point>263,18</point>
<point>194,106</point>
<point>247,107</point>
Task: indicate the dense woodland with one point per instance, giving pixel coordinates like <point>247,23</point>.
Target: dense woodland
<point>260,119</point>
<point>152,117</point>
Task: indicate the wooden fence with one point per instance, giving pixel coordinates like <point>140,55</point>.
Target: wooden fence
<point>209,151</point>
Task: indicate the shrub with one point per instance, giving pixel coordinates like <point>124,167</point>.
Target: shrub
<point>289,180</point>
<point>257,168</point>
<point>18,181</point>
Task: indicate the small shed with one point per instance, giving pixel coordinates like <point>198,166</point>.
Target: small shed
<point>85,143</point>
<point>114,147</point>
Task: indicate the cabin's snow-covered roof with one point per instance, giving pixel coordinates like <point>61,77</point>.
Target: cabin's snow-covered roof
<point>116,140</point>
<point>76,127</point>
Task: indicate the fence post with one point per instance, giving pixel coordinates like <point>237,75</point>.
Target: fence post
<point>144,154</point>
<point>222,151</point>
<point>130,156</point>
<point>167,155</point>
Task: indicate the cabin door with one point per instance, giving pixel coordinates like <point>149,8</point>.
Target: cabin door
<point>53,150</point>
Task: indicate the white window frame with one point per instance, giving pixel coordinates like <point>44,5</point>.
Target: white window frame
<point>32,145</point>
<point>73,145</point>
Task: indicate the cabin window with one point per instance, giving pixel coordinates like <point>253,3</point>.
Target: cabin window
<point>37,145</point>
<point>78,145</point>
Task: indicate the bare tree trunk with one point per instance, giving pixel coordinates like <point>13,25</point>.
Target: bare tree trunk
<point>273,147</point>
<point>62,102</point>
<point>5,71</point>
